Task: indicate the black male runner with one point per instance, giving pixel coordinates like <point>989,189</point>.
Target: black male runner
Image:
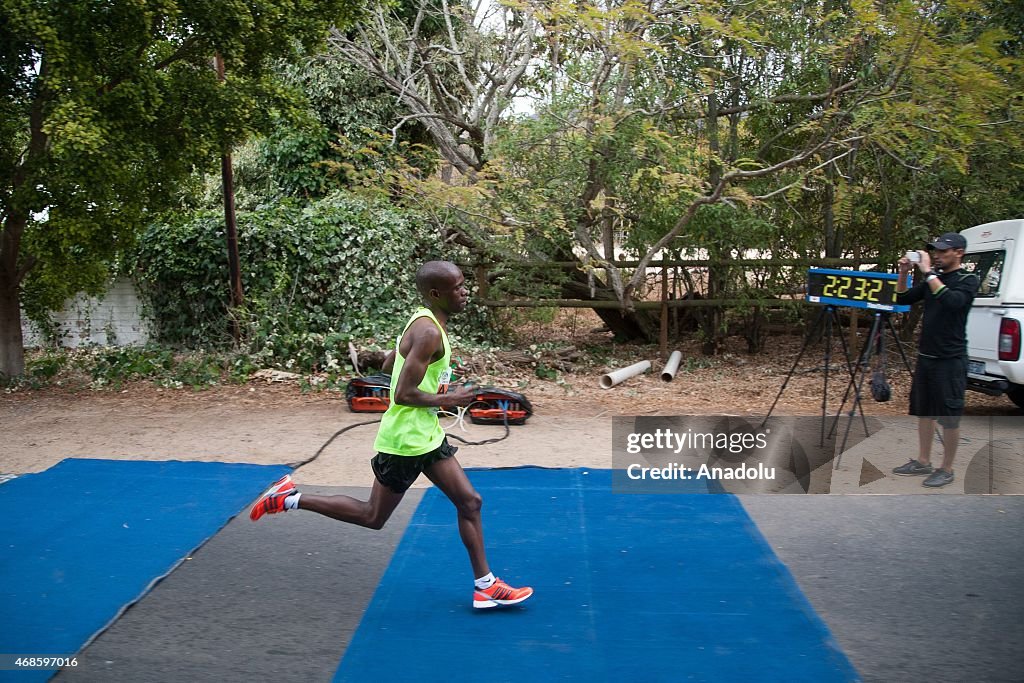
<point>410,439</point>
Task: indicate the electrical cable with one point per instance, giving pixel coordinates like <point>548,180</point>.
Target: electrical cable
<point>303,463</point>
<point>462,411</point>
<point>458,418</point>
<point>504,418</point>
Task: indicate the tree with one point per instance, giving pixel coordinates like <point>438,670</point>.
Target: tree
<point>455,66</point>
<point>326,148</point>
<point>106,109</point>
<point>651,112</point>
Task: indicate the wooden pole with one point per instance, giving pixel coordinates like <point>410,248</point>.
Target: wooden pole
<point>231,225</point>
<point>854,315</point>
<point>663,333</point>
<point>482,285</point>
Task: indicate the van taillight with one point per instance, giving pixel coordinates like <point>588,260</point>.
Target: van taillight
<point>1009,339</point>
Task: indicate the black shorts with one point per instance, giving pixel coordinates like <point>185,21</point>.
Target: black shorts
<point>398,472</point>
<point>938,390</point>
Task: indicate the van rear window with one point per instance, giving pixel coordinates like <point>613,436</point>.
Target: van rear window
<point>988,266</point>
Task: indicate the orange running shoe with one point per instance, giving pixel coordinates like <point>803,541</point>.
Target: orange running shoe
<point>272,500</point>
<point>500,593</point>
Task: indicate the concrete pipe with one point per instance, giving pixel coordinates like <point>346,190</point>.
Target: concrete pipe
<point>672,366</point>
<point>617,376</point>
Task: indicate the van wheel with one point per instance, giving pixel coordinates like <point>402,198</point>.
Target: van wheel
<point>1016,394</point>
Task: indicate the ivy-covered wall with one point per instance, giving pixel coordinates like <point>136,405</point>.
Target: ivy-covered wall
<point>111,319</point>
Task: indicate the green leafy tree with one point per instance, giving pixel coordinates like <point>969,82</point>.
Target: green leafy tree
<point>648,114</point>
<point>331,146</point>
<point>106,109</point>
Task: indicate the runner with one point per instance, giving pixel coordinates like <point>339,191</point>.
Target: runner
<point>411,441</point>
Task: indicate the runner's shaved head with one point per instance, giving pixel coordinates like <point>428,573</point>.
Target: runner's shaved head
<point>435,275</point>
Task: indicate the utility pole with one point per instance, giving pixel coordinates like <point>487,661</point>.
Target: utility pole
<point>227,179</point>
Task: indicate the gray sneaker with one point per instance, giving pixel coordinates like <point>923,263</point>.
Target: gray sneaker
<point>913,469</point>
<point>938,478</point>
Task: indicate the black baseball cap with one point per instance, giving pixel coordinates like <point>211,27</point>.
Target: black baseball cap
<point>949,240</point>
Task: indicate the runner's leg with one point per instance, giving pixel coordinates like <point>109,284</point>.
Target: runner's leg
<point>372,513</point>
<point>449,476</point>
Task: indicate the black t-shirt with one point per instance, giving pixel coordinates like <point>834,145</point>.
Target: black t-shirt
<point>944,329</point>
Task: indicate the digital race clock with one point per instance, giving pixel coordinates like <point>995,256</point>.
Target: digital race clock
<point>855,288</point>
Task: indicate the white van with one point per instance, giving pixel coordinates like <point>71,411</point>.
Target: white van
<point>995,253</point>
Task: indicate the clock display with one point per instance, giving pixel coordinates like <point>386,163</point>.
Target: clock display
<point>853,288</point>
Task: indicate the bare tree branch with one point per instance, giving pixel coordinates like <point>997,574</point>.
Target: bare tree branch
<point>800,181</point>
<point>896,158</point>
<point>487,52</point>
<point>778,99</point>
<point>712,198</point>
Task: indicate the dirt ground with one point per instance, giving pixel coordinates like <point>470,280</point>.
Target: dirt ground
<point>277,423</point>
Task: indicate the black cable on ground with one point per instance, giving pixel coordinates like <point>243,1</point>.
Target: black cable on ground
<point>504,419</point>
<point>481,443</point>
<point>303,463</point>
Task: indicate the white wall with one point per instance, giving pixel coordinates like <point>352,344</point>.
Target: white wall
<point>113,319</point>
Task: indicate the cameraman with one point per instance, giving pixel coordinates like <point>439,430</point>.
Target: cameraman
<point>940,378</point>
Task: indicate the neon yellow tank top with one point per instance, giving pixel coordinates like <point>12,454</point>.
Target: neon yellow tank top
<point>409,430</point>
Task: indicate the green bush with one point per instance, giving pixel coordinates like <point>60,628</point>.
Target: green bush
<point>100,367</point>
<point>314,277</point>
<point>45,366</point>
<point>115,365</point>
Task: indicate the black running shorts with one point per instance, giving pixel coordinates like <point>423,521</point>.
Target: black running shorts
<point>938,390</point>
<point>398,472</point>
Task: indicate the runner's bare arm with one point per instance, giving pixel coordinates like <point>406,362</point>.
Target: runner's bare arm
<point>420,344</point>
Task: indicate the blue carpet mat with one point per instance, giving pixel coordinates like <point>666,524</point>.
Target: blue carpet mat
<point>628,588</point>
<point>83,539</point>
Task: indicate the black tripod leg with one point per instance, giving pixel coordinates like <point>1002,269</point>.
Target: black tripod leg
<point>789,375</point>
<point>899,345</point>
<point>875,346</point>
<point>829,319</point>
<point>871,343</point>
<point>852,369</point>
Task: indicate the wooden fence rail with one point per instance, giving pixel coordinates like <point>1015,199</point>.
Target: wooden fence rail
<point>481,275</point>
<point>639,305</point>
<point>688,263</point>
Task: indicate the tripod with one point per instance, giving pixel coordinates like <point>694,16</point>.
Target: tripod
<point>874,343</point>
<point>827,319</point>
